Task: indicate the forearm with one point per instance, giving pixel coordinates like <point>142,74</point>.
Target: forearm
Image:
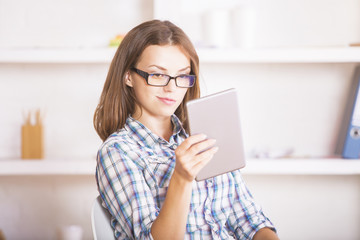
<point>171,221</point>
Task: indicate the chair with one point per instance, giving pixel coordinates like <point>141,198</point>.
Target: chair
<point>101,222</point>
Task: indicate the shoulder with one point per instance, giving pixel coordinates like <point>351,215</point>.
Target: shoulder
<point>121,140</point>
<point>118,143</point>
<point>121,148</point>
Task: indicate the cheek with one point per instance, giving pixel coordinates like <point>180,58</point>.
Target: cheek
<point>144,94</point>
<point>140,94</point>
<point>139,88</point>
<point>183,93</point>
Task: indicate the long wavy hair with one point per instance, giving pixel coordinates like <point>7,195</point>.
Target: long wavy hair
<point>118,100</point>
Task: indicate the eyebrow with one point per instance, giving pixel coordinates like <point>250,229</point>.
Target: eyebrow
<point>164,69</point>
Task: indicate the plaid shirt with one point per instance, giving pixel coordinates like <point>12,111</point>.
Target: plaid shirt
<point>134,167</point>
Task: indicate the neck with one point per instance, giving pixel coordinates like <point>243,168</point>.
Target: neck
<point>161,126</point>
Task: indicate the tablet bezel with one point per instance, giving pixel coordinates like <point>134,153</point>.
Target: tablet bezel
<point>217,115</point>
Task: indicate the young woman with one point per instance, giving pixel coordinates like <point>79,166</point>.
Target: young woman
<point>147,164</point>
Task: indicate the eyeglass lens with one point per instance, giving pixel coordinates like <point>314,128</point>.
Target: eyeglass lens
<point>163,80</point>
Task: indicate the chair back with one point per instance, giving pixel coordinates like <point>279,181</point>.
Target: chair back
<point>101,222</point>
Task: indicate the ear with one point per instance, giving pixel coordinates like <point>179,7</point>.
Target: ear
<point>128,80</point>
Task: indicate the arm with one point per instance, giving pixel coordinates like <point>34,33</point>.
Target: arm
<point>265,234</point>
<point>124,190</point>
<point>247,218</point>
<point>171,221</point>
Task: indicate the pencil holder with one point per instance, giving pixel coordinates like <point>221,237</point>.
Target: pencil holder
<point>32,145</point>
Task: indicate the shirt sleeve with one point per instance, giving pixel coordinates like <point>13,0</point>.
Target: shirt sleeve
<point>124,190</point>
<point>247,217</point>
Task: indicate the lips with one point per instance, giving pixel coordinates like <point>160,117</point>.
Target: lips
<point>167,101</point>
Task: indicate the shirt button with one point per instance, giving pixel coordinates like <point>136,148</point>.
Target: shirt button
<point>209,183</point>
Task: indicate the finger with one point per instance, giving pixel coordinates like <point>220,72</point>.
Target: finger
<point>203,159</point>
<point>188,160</point>
<point>202,146</point>
<point>188,142</point>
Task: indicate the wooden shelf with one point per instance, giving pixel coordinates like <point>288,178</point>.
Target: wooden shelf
<point>47,167</point>
<point>265,55</point>
<point>289,166</point>
<point>253,167</point>
<point>57,55</point>
<point>281,55</point>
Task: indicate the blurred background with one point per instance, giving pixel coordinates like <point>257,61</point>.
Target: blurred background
<point>291,62</point>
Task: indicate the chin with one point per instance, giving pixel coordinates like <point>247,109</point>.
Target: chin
<point>167,113</point>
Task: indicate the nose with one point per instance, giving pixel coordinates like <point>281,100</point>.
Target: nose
<point>171,86</point>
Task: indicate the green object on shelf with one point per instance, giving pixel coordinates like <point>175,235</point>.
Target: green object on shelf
<point>115,42</point>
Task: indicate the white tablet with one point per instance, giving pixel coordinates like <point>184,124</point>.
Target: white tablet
<point>217,116</point>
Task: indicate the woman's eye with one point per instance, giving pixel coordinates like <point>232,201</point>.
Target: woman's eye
<point>157,75</point>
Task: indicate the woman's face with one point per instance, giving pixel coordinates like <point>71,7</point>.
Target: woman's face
<point>158,101</point>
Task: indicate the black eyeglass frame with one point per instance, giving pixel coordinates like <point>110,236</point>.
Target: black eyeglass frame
<point>146,75</point>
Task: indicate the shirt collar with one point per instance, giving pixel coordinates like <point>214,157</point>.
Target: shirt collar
<point>147,137</point>
<point>178,127</point>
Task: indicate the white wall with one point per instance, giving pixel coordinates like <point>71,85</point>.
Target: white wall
<point>310,207</point>
<point>282,105</point>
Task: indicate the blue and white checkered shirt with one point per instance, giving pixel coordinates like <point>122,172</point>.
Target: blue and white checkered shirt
<point>134,167</point>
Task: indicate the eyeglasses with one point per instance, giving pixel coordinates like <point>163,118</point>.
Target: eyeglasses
<point>161,80</point>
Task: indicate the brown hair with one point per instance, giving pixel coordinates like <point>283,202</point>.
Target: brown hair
<point>118,100</point>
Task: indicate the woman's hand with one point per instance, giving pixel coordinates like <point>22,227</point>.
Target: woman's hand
<point>192,155</point>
